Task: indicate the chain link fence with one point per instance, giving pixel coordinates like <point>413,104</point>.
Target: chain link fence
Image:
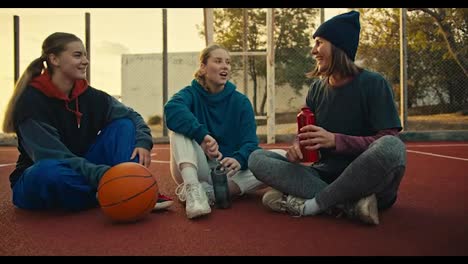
<point>437,92</point>
<point>436,80</point>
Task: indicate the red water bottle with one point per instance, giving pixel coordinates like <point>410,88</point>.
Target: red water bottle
<point>306,117</point>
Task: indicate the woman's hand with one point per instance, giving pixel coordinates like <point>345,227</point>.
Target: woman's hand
<point>315,137</point>
<point>211,148</point>
<point>294,153</point>
<point>143,155</point>
<point>231,165</point>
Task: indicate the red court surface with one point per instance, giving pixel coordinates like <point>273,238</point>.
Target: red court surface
<point>430,217</point>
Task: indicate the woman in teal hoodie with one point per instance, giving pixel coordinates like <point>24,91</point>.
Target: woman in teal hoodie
<point>210,122</point>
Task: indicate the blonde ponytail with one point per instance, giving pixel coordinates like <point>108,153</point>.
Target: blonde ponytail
<point>34,69</point>
<point>55,43</point>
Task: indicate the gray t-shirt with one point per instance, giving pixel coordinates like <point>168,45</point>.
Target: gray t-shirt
<point>361,107</point>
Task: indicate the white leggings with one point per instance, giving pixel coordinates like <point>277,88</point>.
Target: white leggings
<point>185,150</point>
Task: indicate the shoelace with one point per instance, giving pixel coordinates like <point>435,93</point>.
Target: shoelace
<point>209,192</point>
<point>193,190</point>
<point>283,203</point>
<point>181,192</point>
<point>346,209</point>
<point>290,205</point>
<point>293,206</point>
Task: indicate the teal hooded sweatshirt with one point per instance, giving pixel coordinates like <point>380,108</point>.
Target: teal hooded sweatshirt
<point>227,116</point>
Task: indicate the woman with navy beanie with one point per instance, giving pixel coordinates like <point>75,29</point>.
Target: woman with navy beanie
<point>362,161</point>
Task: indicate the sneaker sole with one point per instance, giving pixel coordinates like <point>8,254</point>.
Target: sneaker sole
<point>370,213</point>
<point>272,195</point>
<point>162,205</point>
<point>198,213</point>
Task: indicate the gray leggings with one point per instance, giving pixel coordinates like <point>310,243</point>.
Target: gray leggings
<point>377,170</point>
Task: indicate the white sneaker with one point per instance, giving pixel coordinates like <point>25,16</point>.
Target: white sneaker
<point>209,192</point>
<point>196,201</point>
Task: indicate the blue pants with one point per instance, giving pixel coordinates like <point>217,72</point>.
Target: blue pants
<point>52,184</point>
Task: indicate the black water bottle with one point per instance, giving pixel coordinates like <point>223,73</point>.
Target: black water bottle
<point>220,186</point>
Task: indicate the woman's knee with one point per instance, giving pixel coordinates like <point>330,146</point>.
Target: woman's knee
<point>53,172</point>
<point>256,158</point>
<point>177,140</point>
<point>389,140</point>
<point>122,123</point>
<point>391,149</point>
<point>176,137</point>
<point>185,150</point>
<point>43,168</point>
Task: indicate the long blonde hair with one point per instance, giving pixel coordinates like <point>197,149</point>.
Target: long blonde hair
<point>54,44</point>
<point>340,65</point>
<point>205,54</point>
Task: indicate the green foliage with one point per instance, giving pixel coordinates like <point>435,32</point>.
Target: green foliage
<point>433,72</point>
<point>154,120</point>
<point>436,38</point>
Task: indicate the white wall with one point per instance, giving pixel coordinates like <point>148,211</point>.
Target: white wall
<point>142,83</point>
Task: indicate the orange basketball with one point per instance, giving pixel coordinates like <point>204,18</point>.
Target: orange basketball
<point>127,192</point>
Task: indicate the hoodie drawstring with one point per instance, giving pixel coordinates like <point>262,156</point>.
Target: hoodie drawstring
<point>76,112</point>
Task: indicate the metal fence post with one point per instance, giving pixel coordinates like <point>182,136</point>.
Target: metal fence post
<point>271,105</point>
<point>403,70</point>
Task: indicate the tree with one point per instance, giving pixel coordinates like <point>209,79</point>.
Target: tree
<point>293,28</point>
<point>434,75</point>
<point>453,25</point>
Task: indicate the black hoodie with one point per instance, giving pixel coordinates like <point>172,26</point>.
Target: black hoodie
<point>50,125</point>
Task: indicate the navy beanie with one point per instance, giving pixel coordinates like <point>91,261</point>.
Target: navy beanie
<point>342,31</point>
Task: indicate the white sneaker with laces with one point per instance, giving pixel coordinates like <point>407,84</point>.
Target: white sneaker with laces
<point>180,192</point>
<point>194,196</point>
<point>209,192</point>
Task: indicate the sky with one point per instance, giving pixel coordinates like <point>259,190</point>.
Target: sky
<point>114,31</point>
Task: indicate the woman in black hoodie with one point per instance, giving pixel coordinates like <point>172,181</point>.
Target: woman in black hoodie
<point>69,133</point>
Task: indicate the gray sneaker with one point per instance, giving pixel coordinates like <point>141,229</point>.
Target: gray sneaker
<point>283,203</point>
<point>365,210</point>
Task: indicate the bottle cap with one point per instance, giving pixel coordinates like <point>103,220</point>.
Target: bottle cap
<point>219,169</point>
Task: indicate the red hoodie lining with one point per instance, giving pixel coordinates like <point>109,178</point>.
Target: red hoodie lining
<point>44,84</point>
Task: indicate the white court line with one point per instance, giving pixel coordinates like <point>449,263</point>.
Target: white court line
<point>160,147</point>
<point>409,145</point>
<point>273,147</point>
<point>267,147</point>
<point>155,161</point>
<point>418,152</point>
<point>438,145</point>
<point>413,151</point>
<point>436,155</point>
<point>160,161</point>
